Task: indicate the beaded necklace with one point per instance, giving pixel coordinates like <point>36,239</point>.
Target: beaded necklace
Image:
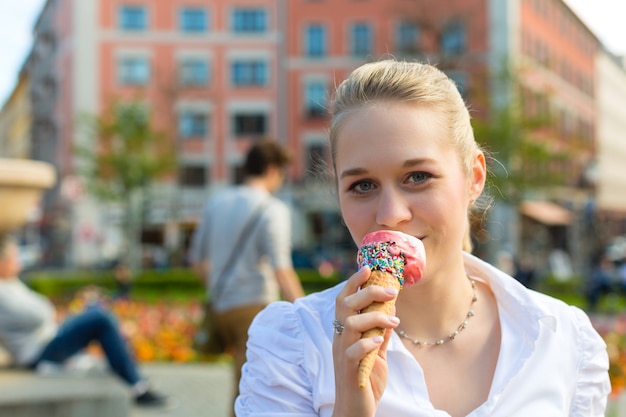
<point>455,333</point>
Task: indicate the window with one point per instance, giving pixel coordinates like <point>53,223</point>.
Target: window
<point>193,20</point>
<point>460,79</point>
<point>249,73</point>
<point>249,20</point>
<point>249,124</point>
<point>192,124</point>
<point>453,40</point>
<point>361,39</point>
<point>133,18</point>
<point>315,40</point>
<point>194,71</point>
<point>193,176</point>
<point>315,99</point>
<point>407,37</point>
<point>133,71</point>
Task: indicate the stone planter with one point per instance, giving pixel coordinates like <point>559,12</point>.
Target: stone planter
<point>21,183</point>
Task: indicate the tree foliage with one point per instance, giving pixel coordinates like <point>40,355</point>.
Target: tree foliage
<point>119,157</point>
<point>521,161</point>
<point>123,151</point>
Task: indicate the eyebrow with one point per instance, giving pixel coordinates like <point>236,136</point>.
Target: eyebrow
<point>352,172</point>
<point>407,164</point>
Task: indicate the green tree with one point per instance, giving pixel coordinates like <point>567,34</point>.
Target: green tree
<point>514,134</point>
<point>120,155</point>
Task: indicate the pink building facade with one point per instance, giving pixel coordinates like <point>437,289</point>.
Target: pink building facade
<point>217,75</point>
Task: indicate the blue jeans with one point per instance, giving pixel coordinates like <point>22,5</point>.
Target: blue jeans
<point>78,331</point>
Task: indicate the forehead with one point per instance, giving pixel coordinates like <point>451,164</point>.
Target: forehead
<point>384,131</point>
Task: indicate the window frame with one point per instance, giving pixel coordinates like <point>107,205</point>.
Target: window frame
<point>262,120</point>
<point>361,42</point>
<point>407,36</point>
<point>185,66</point>
<point>455,36</point>
<point>136,23</point>
<point>194,27</point>
<point>254,72</point>
<point>315,44</point>
<point>314,107</point>
<point>189,181</point>
<point>249,20</point>
<point>127,70</point>
<point>191,118</point>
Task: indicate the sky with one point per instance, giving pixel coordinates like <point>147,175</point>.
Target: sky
<point>17,18</point>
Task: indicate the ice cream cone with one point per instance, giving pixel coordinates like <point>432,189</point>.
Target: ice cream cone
<point>395,260</point>
<point>384,279</point>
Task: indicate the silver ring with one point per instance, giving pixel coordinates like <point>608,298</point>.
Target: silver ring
<point>338,327</point>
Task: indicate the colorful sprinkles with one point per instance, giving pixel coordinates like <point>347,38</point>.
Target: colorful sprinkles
<point>380,256</point>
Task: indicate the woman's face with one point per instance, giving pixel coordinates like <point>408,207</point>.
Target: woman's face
<point>396,170</point>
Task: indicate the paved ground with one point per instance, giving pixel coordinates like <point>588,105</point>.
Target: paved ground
<point>198,390</point>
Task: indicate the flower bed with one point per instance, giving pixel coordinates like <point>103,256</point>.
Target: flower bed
<point>613,331</point>
<point>161,331</point>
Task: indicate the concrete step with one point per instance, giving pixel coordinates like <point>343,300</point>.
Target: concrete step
<point>28,394</point>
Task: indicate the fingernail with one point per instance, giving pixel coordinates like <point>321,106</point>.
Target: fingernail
<point>394,320</point>
<point>377,339</point>
<point>391,291</point>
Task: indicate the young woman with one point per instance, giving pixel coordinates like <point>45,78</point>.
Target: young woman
<point>406,160</point>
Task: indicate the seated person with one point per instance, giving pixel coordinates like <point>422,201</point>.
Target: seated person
<point>29,331</point>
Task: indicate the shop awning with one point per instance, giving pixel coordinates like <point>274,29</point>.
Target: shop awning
<point>546,212</point>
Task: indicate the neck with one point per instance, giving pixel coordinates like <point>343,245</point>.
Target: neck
<point>434,307</point>
<point>258,182</point>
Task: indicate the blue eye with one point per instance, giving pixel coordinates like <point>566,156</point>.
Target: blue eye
<point>361,187</point>
<point>419,177</point>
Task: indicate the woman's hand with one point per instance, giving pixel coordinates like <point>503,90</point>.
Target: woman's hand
<point>349,348</point>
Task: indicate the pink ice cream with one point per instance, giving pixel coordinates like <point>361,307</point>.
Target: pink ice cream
<point>400,254</point>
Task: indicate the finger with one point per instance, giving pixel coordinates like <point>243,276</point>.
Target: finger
<point>355,352</point>
<point>358,301</point>
<point>344,307</point>
<point>382,352</point>
<point>360,323</point>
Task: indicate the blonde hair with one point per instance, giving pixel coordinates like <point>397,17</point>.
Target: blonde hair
<point>409,82</point>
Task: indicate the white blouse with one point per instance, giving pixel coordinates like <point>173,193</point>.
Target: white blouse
<point>551,362</point>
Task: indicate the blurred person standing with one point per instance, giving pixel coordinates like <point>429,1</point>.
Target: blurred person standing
<point>242,248</point>
<point>123,281</point>
<point>600,281</point>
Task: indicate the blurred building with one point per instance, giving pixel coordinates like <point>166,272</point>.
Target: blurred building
<point>609,171</point>
<point>553,53</point>
<point>15,121</point>
<point>220,74</point>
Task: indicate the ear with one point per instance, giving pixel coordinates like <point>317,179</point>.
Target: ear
<point>478,176</point>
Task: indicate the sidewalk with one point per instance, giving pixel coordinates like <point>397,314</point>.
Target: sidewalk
<point>197,390</point>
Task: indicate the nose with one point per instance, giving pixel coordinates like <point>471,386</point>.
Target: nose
<point>393,209</point>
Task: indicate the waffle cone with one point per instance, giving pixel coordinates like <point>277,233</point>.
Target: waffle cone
<point>384,279</point>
